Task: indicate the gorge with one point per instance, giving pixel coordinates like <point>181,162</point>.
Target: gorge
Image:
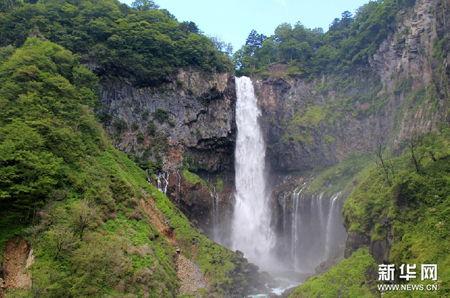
<point>138,159</point>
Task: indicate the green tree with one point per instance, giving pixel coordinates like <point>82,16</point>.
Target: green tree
<point>28,172</point>
<point>144,5</point>
<point>60,237</point>
<point>83,215</point>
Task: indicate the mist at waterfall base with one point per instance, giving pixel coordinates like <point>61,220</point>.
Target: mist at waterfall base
<point>307,229</point>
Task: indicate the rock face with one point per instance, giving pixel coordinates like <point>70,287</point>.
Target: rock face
<point>188,119</point>
<point>354,242</point>
<point>14,273</point>
<point>417,55</point>
<point>208,207</point>
<point>403,91</point>
<point>299,135</point>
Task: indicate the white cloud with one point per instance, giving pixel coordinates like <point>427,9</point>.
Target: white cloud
<point>282,2</point>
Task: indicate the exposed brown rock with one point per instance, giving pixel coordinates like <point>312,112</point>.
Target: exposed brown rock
<point>17,258</point>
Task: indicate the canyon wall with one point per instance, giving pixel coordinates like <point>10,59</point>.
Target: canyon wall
<point>403,90</point>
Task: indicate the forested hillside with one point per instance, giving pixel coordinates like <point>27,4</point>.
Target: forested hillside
<point>144,43</point>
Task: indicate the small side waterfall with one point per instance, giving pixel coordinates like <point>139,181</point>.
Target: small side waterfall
<point>296,196</point>
<point>331,213</point>
<point>251,232</point>
<point>215,201</point>
<point>179,189</point>
<point>319,203</point>
<point>315,228</point>
<point>162,180</point>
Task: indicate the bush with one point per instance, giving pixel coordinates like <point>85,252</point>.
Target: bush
<point>161,115</point>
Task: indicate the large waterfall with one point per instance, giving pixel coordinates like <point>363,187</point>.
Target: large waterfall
<point>308,227</point>
<point>251,232</point>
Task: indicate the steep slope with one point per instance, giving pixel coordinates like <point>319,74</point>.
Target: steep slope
<point>167,97</point>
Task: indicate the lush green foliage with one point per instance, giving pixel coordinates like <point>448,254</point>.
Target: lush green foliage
<point>44,125</point>
<point>193,178</point>
<point>350,278</point>
<point>80,197</point>
<point>311,52</point>
<point>144,43</point>
<point>415,209</point>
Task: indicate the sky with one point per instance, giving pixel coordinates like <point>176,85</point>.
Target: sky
<point>232,20</point>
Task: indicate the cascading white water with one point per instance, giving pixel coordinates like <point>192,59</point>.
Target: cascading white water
<point>251,233</point>
<point>296,197</point>
<point>179,189</point>
<point>162,182</point>
<point>319,202</point>
<point>215,202</point>
<point>314,229</point>
<point>330,222</point>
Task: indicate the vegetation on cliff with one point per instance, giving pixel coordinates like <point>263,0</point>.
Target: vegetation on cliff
<point>353,277</point>
<point>408,208</point>
<point>413,210</point>
<point>342,177</point>
<point>97,227</point>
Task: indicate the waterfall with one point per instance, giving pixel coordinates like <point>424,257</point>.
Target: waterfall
<point>215,201</point>
<point>319,202</point>
<point>162,182</point>
<point>251,232</point>
<point>283,204</point>
<point>296,197</point>
<point>179,189</point>
<point>314,231</point>
<point>330,222</point>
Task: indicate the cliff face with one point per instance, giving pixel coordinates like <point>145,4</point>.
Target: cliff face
<point>303,132</point>
<point>186,122</point>
<point>189,118</point>
<point>417,54</point>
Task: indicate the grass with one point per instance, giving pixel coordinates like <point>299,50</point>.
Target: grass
<point>343,176</point>
<point>347,279</point>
